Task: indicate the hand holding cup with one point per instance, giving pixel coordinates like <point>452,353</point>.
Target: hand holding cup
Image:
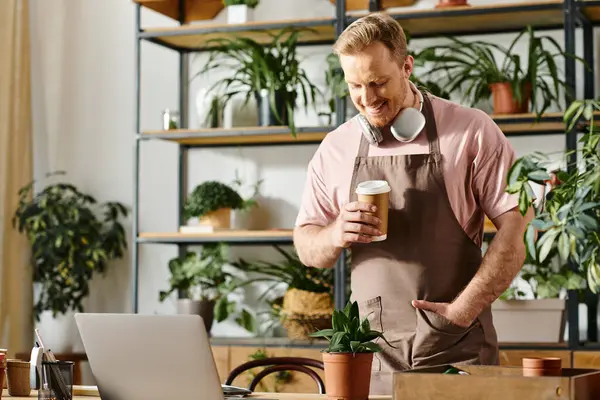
<point>365,220</point>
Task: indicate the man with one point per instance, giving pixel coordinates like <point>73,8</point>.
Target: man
<point>426,286</point>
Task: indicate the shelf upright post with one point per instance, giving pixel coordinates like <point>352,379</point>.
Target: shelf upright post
<point>136,165</point>
<point>570,16</point>
<point>341,270</point>
<point>183,122</point>
<point>591,299</point>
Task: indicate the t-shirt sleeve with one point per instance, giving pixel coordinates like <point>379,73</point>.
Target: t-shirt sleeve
<point>495,156</point>
<point>317,207</point>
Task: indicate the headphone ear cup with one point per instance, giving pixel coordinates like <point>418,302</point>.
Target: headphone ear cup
<point>372,134</point>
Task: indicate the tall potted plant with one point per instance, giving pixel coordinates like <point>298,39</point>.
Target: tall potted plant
<point>568,216</point>
<point>472,64</point>
<point>271,74</point>
<point>349,355</point>
<point>73,238</point>
<point>307,304</point>
<point>205,287</point>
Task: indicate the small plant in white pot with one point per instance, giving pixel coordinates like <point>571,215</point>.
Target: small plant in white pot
<point>349,355</point>
<point>240,11</point>
<point>211,203</point>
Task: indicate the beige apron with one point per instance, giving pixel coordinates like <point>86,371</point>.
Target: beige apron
<point>427,256</point>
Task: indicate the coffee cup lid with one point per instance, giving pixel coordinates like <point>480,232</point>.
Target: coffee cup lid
<point>373,187</point>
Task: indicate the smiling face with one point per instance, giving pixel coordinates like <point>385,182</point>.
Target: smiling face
<point>378,83</point>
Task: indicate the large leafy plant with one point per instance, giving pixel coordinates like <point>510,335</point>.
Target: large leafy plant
<point>568,217</point>
<point>291,272</point>
<point>205,273</point>
<point>72,238</point>
<point>473,66</point>
<point>274,67</point>
<point>349,334</point>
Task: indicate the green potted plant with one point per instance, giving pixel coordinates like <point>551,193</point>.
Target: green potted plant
<point>568,216</point>
<point>211,202</point>
<point>73,238</point>
<point>349,354</point>
<point>472,64</point>
<point>335,86</point>
<point>271,74</point>
<point>307,304</point>
<point>205,287</point>
<point>240,11</point>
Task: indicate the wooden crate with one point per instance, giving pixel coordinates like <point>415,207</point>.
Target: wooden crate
<point>495,383</point>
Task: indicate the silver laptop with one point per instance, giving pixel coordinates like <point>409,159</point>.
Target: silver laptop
<point>143,357</point>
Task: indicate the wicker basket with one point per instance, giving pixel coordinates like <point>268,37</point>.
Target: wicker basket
<point>304,313</point>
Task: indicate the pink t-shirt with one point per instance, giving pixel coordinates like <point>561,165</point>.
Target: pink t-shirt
<point>477,157</point>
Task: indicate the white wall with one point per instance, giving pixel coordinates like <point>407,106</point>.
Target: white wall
<point>83,91</point>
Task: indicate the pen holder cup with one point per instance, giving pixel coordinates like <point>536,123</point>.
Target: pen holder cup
<point>17,376</point>
<point>57,377</point>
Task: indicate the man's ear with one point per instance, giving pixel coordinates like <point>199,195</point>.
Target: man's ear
<point>408,66</point>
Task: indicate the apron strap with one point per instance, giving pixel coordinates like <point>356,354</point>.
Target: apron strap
<point>430,128</point>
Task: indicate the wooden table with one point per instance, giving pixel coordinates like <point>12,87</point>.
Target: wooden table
<point>90,393</point>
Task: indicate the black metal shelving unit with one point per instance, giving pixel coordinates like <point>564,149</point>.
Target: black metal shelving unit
<point>567,15</point>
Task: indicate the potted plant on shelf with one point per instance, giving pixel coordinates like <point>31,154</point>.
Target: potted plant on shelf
<point>205,287</point>
<point>307,303</point>
<point>568,216</point>
<point>211,202</point>
<point>512,89</point>
<point>240,11</point>
<point>271,74</point>
<point>349,355</point>
<point>73,238</point>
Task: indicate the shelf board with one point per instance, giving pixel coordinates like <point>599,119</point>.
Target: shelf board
<point>196,37</point>
<point>489,18</point>
<point>194,9</point>
<point>272,236</point>
<point>269,135</point>
<point>514,124</point>
<point>480,19</point>
<point>269,236</point>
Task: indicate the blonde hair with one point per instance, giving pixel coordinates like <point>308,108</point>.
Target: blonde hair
<point>376,27</point>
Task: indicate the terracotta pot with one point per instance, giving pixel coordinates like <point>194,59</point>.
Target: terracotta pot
<point>502,97</point>
<point>219,219</point>
<point>347,376</point>
<point>542,366</point>
<point>17,376</point>
<point>451,3</point>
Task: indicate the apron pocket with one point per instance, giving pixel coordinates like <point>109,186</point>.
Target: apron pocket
<point>372,310</point>
<point>438,341</point>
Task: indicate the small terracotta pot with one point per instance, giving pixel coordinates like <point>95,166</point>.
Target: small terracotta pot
<point>502,97</point>
<point>347,375</point>
<point>17,376</point>
<point>540,366</point>
<point>219,219</point>
<point>452,3</point>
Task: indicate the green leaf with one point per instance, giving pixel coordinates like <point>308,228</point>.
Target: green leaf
<point>530,242</point>
<point>221,309</point>
<point>323,333</point>
<point>373,347</point>
<point>247,321</point>
<point>564,246</point>
<point>539,176</point>
<point>546,242</point>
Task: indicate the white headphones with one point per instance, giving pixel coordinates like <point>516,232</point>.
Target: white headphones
<point>405,128</point>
